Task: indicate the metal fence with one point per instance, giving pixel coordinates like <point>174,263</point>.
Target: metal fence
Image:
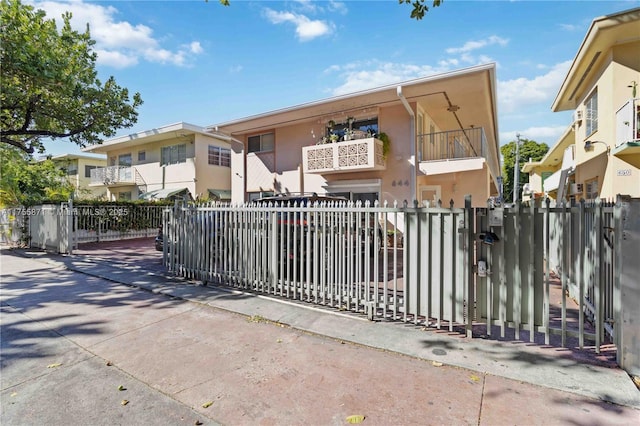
<point>455,267</point>
<point>108,222</point>
<point>61,227</point>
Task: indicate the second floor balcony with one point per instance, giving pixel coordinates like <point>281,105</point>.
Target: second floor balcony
<point>113,176</point>
<point>452,144</point>
<point>348,156</point>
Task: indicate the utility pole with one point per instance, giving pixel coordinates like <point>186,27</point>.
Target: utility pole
<point>516,171</point>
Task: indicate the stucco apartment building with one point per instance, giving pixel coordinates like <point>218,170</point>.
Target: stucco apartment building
<point>78,169</point>
<point>179,159</point>
<point>598,156</point>
<point>429,139</point>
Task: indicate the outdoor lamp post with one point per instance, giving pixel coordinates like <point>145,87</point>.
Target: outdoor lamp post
<point>516,171</point>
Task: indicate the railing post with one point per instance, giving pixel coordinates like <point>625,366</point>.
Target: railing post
<point>469,225</point>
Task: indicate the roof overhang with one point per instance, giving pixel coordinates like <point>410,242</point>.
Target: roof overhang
<point>171,131</point>
<point>604,33</point>
<point>553,157</point>
<point>166,193</point>
<point>472,90</point>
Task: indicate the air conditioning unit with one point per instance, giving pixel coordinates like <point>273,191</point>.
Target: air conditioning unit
<point>577,116</point>
<point>576,188</point>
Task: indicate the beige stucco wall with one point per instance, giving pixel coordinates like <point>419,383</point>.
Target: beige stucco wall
<point>611,80</point>
<point>195,174</point>
<point>455,186</point>
<point>82,183</point>
<point>281,170</point>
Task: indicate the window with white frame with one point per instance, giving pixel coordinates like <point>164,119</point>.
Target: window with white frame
<point>173,154</point>
<point>261,143</point>
<point>219,156</point>
<point>591,113</point>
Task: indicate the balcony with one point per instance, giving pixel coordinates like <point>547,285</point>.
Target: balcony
<point>628,132</point>
<point>113,176</point>
<point>628,122</point>
<point>341,157</point>
<point>453,144</point>
<point>452,151</point>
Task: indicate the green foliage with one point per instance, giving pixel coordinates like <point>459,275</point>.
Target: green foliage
<point>24,181</point>
<point>49,86</point>
<point>528,150</point>
<point>417,13</point>
<point>119,215</point>
<point>419,7</point>
<point>386,143</point>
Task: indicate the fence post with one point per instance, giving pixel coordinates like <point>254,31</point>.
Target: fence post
<point>547,273</point>
<point>469,225</point>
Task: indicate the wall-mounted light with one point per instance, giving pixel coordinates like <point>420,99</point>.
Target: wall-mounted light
<point>588,145</point>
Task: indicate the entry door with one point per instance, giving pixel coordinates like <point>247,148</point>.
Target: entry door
<point>430,193</point>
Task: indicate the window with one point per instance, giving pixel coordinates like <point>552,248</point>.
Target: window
<point>87,170</point>
<point>142,156</point>
<point>219,156</point>
<point>262,143</point>
<point>173,154</point>
<point>591,189</point>
<point>125,196</point>
<point>591,112</point>
<point>124,160</point>
<point>368,126</point>
<point>72,169</point>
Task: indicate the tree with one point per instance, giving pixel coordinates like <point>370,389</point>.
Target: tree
<point>528,150</point>
<point>25,181</point>
<point>419,7</point>
<point>49,86</point>
<point>417,13</point>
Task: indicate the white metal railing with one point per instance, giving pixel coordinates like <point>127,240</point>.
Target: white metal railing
<point>452,144</point>
<point>338,255</point>
<point>113,175</point>
<point>352,155</point>
<point>628,122</point>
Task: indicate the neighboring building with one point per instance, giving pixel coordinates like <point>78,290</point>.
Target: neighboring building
<point>176,160</point>
<point>442,132</point>
<point>78,169</point>
<point>601,89</point>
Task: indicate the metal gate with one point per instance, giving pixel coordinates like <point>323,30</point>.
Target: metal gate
<point>482,270</point>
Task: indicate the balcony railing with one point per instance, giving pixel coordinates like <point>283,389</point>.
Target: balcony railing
<point>453,144</point>
<point>628,122</point>
<point>348,156</point>
<point>112,175</point>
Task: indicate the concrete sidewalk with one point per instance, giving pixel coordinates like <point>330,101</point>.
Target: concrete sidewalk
<point>301,377</point>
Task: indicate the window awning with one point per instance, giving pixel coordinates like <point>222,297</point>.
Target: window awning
<point>220,194</point>
<point>166,194</point>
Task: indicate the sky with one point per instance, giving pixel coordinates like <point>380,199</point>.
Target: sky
<point>202,63</point>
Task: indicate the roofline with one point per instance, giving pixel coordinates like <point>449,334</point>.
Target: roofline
<point>551,150</point>
<point>78,156</point>
<point>470,70</point>
<point>181,125</point>
<point>592,32</point>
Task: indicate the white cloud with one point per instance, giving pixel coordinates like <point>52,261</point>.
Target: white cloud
<point>118,43</point>
<point>519,93</point>
<point>541,134</point>
<point>478,44</point>
<point>366,75</point>
<point>306,29</point>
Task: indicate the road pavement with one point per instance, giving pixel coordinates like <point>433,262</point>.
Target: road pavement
<point>82,334</point>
